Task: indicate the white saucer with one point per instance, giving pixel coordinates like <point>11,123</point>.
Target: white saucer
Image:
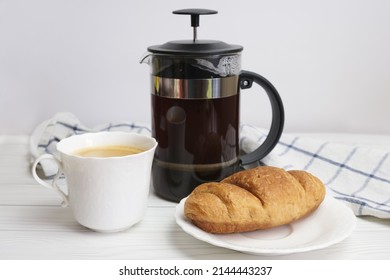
<point>331,223</point>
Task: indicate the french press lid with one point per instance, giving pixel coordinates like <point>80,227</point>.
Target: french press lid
<point>195,46</point>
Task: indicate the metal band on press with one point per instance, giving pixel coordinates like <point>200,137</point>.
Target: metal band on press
<point>195,167</point>
<point>195,88</point>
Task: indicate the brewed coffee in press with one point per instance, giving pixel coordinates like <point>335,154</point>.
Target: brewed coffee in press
<point>195,89</point>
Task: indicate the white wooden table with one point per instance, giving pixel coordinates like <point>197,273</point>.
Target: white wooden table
<point>34,226</point>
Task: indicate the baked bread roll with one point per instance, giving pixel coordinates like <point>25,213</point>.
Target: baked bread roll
<point>253,199</point>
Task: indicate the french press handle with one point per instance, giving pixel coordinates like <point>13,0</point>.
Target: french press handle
<point>246,80</point>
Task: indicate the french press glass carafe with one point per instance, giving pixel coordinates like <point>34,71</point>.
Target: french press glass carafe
<point>195,96</point>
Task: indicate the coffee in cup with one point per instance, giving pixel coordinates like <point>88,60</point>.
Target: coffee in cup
<point>107,151</point>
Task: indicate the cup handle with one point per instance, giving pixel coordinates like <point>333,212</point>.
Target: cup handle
<point>53,184</point>
<point>246,80</point>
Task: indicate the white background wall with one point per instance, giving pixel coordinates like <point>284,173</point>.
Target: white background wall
<point>329,60</point>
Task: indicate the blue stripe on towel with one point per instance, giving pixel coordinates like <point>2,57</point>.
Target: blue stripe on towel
<point>370,176</point>
<point>315,155</point>
<point>75,128</point>
<point>131,126</point>
<point>341,166</point>
<point>361,200</point>
<point>289,146</point>
<point>51,141</point>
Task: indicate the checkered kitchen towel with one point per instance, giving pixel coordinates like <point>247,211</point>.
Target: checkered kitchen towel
<point>357,175</point>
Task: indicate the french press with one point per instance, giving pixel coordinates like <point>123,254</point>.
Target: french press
<point>195,99</point>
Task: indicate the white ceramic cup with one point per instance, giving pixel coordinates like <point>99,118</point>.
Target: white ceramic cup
<point>105,194</point>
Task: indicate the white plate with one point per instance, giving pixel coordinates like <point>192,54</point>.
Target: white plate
<point>331,223</point>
